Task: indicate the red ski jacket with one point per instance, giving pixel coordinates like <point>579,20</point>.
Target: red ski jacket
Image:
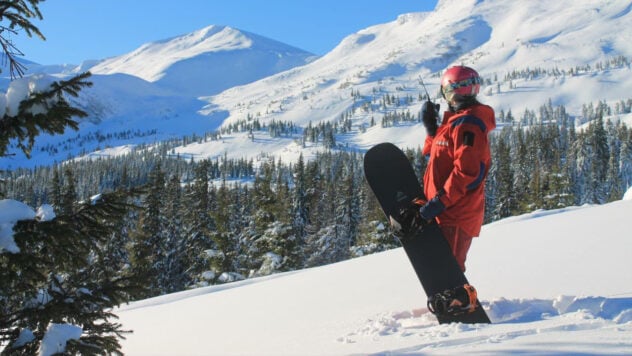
<point>459,160</point>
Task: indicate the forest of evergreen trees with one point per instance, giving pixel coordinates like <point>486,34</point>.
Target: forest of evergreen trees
<point>214,221</point>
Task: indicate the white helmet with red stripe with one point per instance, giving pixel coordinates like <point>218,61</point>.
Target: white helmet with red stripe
<point>460,83</point>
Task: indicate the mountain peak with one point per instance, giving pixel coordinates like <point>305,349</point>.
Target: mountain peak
<point>206,61</point>
<point>151,60</point>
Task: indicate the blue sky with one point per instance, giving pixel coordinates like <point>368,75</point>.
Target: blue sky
<point>77,30</point>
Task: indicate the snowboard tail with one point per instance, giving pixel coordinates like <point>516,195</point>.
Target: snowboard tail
<point>395,185</point>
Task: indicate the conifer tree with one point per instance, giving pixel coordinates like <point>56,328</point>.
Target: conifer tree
<point>60,276</point>
<point>222,257</point>
<point>57,275</point>
<point>147,248</point>
<point>348,204</point>
<point>273,239</point>
<point>599,163</point>
<point>68,193</point>
<point>264,198</point>
<point>55,189</point>
<point>625,158</point>
<point>299,200</point>
<point>198,223</point>
<point>520,166</point>
<point>172,276</point>
<point>503,177</point>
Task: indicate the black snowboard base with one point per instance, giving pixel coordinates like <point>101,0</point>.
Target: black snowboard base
<point>394,183</point>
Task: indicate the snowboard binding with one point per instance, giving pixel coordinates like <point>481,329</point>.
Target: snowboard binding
<point>408,220</point>
<point>453,302</point>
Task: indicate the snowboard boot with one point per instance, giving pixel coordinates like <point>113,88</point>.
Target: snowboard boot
<point>408,220</point>
<point>453,302</point>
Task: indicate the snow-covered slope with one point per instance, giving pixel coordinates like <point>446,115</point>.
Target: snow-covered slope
<point>153,91</point>
<point>495,37</point>
<point>206,61</point>
<point>552,282</point>
<point>572,41</point>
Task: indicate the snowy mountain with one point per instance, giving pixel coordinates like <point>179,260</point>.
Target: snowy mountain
<point>495,37</point>
<point>219,77</point>
<point>547,290</point>
<point>206,61</point>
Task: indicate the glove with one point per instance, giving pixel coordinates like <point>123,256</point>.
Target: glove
<point>407,221</point>
<point>429,116</point>
<point>431,209</point>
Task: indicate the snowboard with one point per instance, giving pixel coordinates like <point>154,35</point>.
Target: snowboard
<point>394,183</point>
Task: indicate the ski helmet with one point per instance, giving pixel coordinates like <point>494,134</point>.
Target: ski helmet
<point>459,83</point>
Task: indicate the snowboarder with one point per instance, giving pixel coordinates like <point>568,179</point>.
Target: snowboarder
<point>459,159</point>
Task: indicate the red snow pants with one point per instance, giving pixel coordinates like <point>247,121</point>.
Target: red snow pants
<point>459,241</point>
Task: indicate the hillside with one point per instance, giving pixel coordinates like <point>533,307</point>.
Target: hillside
<point>570,52</point>
<point>151,94</point>
<point>548,283</point>
<point>551,50</point>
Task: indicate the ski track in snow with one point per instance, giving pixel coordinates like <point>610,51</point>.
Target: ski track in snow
<point>511,320</point>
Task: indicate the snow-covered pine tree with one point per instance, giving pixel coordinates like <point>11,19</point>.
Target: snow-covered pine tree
<point>172,277</point>
<point>348,203</point>
<point>147,249</point>
<point>56,274</point>
<point>300,211</point>
<point>502,175</point>
<point>198,224</point>
<point>625,157</point>
<point>598,140</point>
<point>60,275</point>
<point>273,240</point>
<point>223,256</point>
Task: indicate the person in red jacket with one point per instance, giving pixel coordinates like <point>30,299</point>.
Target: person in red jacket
<point>458,160</point>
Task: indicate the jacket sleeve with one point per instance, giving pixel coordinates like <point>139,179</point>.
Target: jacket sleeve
<point>470,152</point>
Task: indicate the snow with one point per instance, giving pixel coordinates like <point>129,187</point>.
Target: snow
<point>552,282</point>
<point>56,337</point>
<point>12,211</point>
<point>45,213</point>
<point>26,336</point>
<point>19,90</point>
<point>206,61</point>
<point>107,152</point>
<point>165,53</point>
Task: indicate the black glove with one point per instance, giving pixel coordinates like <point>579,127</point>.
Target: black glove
<point>430,116</point>
<point>407,221</point>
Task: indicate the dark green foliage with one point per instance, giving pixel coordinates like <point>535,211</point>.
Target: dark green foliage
<point>63,274</point>
<point>549,165</point>
<point>67,269</point>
